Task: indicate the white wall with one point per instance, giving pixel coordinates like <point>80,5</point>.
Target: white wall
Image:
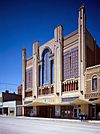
<point>0,94</point>
<point>9,104</point>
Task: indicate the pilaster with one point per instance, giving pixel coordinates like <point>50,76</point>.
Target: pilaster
<point>82,59</point>
<point>58,34</point>
<point>35,69</point>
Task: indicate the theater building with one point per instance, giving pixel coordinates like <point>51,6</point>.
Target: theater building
<point>57,77</point>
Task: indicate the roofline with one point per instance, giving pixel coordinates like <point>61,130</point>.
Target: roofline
<point>71,34</point>
<point>92,67</point>
<point>47,42</point>
<point>65,37</point>
<point>29,58</point>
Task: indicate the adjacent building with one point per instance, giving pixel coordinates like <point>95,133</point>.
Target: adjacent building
<point>61,78</point>
<point>10,104</point>
<point>92,90</point>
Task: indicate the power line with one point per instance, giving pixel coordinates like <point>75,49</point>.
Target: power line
<point>8,84</point>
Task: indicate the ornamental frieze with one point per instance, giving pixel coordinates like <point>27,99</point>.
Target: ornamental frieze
<point>92,95</point>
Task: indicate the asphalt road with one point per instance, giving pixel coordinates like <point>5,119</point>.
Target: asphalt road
<point>34,126</point>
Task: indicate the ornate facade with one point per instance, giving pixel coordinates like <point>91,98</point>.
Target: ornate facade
<point>57,73</point>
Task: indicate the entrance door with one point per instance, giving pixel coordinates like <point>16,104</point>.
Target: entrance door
<point>5,111</point>
<point>51,111</point>
<point>76,112</point>
<point>0,110</point>
<point>42,111</point>
<point>45,111</point>
<point>98,111</point>
<point>93,112</point>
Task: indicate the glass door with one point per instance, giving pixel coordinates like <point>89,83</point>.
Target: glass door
<point>76,112</point>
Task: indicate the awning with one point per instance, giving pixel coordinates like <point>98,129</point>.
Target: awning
<point>61,104</point>
<point>96,101</point>
<point>74,102</point>
<point>80,102</point>
<point>36,103</point>
<point>39,103</point>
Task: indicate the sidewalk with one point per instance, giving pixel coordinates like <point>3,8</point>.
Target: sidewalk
<point>51,119</point>
<point>58,119</point>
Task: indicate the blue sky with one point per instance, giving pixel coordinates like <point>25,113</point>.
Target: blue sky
<point>22,22</point>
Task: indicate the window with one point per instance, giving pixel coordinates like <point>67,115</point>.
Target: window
<point>52,71</point>
<point>28,79</point>
<point>46,67</point>
<point>70,63</point>
<point>11,111</point>
<point>40,75</point>
<point>28,94</point>
<point>29,76</point>
<point>94,83</point>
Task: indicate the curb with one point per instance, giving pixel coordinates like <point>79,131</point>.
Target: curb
<point>52,119</point>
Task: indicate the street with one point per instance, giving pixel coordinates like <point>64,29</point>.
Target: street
<point>39,126</point>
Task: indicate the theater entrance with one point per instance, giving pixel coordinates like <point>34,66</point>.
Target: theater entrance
<point>76,111</point>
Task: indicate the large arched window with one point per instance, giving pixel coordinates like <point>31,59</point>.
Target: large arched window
<point>94,83</point>
<point>46,66</point>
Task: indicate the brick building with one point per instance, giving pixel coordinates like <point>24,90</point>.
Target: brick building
<point>20,89</point>
<point>92,92</point>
